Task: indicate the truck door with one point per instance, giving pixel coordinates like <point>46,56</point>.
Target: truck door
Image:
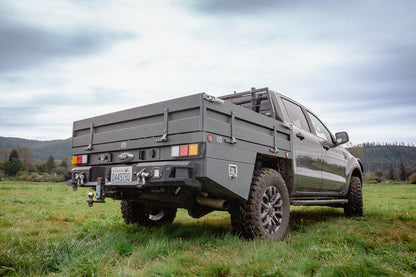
<point>307,151</point>
<point>334,160</point>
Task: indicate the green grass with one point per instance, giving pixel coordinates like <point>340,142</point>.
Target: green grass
<point>46,229</point>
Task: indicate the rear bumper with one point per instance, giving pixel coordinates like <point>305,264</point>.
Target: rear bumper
<point>144,175</point>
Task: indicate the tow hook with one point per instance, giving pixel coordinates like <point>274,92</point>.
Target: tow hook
<point>141,176</point>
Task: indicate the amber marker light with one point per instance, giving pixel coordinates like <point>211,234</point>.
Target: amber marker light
<point>193,150</point>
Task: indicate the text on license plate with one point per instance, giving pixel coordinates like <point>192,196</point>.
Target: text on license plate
<point>121,174</point>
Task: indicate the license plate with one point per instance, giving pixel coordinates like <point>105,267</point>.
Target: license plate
<point>121,174</point>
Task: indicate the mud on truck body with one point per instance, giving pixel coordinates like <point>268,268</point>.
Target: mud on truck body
<point>252,153</point>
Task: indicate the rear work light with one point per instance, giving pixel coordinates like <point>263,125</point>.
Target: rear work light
<point>186,150</point>
<point>80,159</point>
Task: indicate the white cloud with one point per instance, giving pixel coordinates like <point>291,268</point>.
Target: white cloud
<point>329,58</point>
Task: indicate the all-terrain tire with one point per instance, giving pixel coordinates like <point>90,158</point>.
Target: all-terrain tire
<point>266,212</point>
<point>236,217</point>
<point>355,198</point>
<point>137,213</point>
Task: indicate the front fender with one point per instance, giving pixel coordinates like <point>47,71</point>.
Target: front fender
<point>354,168</point>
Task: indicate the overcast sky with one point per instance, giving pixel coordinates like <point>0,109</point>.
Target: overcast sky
<point>353,63</point>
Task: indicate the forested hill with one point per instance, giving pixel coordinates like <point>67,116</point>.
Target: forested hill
<point>376,156</point>
<point>41,150</point>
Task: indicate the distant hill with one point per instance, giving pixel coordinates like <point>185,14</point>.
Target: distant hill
<point>381,156</point>
<point>41,150</point>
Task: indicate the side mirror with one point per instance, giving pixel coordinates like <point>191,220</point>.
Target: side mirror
<point>341,138</point>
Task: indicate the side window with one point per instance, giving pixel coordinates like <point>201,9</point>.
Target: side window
<point>319,128</point>
<point>296,115</point>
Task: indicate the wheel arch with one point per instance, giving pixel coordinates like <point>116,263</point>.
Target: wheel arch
<point>358,170</point>
<point>283,166</point>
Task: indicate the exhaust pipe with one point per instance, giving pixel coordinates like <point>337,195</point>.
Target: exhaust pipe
<point>219,204</point>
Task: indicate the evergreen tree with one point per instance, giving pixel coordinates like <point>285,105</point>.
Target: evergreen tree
<point>13,165</point>
<point>50,164</point>
<point>65,163</point>
<point>390,173</point>
<point>13,155</point>
<point>40,167</point>
<point>402,173</point>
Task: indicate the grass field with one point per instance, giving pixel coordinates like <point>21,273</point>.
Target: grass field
<point>46,229</point>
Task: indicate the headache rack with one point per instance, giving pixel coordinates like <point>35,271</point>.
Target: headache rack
<point>257,100</point>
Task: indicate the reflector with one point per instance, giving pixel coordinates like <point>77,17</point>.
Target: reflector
<point>174,151</point>
<point>84,159</point>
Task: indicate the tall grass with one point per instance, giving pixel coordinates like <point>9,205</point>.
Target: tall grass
<point>46,229</point>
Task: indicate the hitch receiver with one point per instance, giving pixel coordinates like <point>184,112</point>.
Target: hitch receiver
<point>99,193</point>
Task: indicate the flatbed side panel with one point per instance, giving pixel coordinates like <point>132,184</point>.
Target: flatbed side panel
<point>155,130</point>
<point>133,145</point>
<point>183,115</point>
<point>246,134</point>
<point>244,114</point>
<point>247,126</point>
<point>187,102</point>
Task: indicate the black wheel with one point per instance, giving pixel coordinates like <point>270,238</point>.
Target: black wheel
<point>266,212</point>
<point>355,198</point>
<point>134,212</point>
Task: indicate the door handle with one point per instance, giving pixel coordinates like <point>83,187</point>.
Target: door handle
<point>300,136</point>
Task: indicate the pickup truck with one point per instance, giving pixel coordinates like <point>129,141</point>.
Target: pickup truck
<point>252,153</point>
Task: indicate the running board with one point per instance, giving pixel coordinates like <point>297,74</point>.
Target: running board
<point>318,202</point>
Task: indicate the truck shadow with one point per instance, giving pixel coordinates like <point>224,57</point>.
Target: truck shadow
<point>220,228</point>
<point>302,218</point>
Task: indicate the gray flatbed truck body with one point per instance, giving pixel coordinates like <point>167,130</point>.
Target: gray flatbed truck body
<point>199,152</point>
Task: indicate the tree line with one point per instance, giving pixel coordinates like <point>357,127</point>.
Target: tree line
<point>18,164</point>
<point>386,161</point>
<point>378,144</point>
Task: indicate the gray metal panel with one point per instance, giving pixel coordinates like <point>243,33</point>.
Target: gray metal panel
<point>192,101</point>
<point>249,126</point>
<point>248,135</point>
<point>146,131</point>
<point>243,113</point>
<point>141,143</point>
<point>218,171</point>
<point>247,115</point>
<point>184,116</point>
<point>244,145</point>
